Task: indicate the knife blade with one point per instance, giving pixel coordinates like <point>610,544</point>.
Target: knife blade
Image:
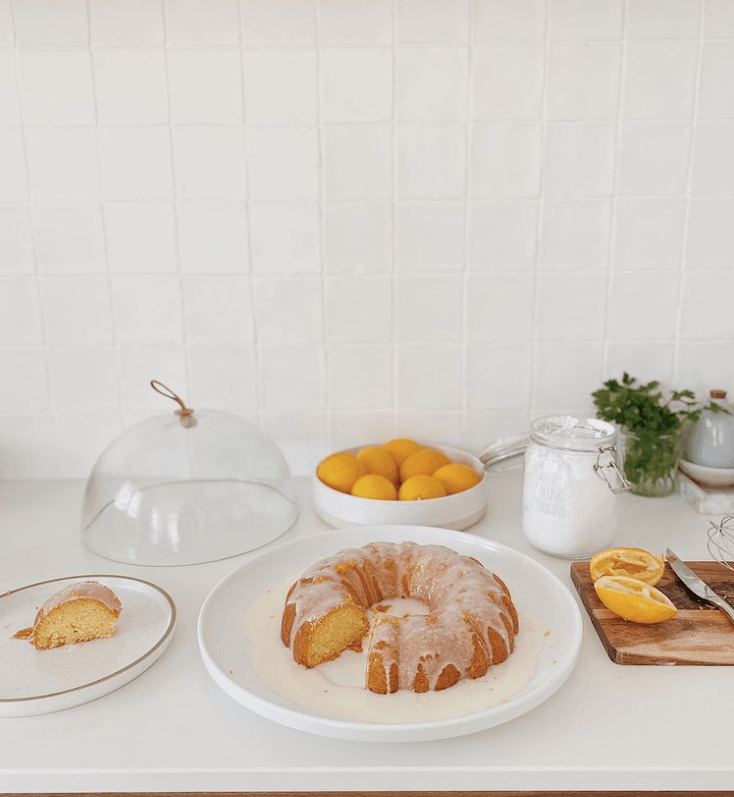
<point>696,585</point>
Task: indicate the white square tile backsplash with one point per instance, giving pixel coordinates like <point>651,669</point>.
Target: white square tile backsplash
<point>429,237</point>
<point>716,93</point>
<point>356,85</point>
<point>62,164</point>
<point>283,163</point>
<point>77,311</point>
<point>202,22</point>
<point>426,80</point>
<point>212,237</point>
<point>583,80</point>
<point>662,19</point>
<point>357,237</point>
<point>359,309</point>
<point>357,162</point>
<point>710,243</point>
<point>579,20</point>
<point>432,20</point>
<point>654,158</point>
<point>20,312</point>
<point>42,24</point>
<point>69,238</point>
<point>57,87</point>
<point>505,159</point>
<point>141,237</point>
<point>350,219</point>
<point>281,87</point>
<point>208,162</point>
<point>135,162</point>
<point>205,86</point>
<point>575,235</point>
<point>16,240</point>
<point>120,22</point>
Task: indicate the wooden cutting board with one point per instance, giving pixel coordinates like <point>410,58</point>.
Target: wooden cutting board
<point>698,634</point>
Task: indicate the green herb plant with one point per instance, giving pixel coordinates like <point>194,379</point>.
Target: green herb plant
<point>655,420</point>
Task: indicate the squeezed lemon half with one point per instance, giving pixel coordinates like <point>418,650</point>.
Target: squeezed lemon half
<point>634,600</point>
<point>632,562</point>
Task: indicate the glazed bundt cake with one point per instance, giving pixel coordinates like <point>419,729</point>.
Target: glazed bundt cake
<point>470,625</point>
<point>78,613</point>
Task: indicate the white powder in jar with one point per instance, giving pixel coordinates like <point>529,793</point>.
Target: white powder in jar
<point>568,509</point>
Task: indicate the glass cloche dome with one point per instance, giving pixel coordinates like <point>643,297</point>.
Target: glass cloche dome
<point>188,487</point>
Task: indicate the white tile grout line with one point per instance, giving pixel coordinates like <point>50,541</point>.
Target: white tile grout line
<point>101,204</point>
<point>396,420</point>
<point>187,353</point>
<point>470,53</point>
<point>614,199</point>
<point>327,428</point>
<point>326,359</point>
<point>256,350</point>
<point>683,264</point>
<point>540,217</point>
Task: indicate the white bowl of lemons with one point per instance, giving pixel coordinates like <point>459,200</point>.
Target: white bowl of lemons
<point>400,481</point>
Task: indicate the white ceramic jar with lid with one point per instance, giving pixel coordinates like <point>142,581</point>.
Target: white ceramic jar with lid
<point>710,441</point>
<point>570,485</point>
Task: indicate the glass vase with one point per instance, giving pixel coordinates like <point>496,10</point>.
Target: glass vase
<point>651,462</point>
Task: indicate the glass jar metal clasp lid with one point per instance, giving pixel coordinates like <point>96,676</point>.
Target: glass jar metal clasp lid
<point>608,470</point>
<point>569,433</point>
<point>584,436</point>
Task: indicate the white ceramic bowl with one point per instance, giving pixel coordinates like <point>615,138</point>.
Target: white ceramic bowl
<point>457,511</point>
<point>708,477</point>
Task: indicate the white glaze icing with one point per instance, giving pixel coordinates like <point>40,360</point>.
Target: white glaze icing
<point>82,590</point>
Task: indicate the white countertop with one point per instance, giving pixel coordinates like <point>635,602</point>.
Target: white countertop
<point>609,727</point>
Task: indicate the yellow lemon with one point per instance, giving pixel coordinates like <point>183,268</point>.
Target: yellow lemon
<point>457,477</point>
<point>400,448</point>
<point>420,488</point>
<point>378,460</point>
<point>340,471</point>
<point>634,600</point>
<point>424,462</point>
<point>375,486</point>
<point>633,562</point>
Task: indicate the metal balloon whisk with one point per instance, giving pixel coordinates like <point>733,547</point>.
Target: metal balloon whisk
<point>721,541</point>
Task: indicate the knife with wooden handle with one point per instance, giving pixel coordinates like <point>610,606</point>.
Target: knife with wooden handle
<point>696,585</point>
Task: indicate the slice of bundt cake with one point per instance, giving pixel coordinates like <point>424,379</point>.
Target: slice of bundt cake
<point>78,613</point>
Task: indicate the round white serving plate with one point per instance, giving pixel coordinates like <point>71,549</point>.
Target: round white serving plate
<point>43,681</point>
<point>226,650</point>
<point>459,511</point>
<point>708,477</point>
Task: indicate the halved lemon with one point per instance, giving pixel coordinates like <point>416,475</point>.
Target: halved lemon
<point>633,562</point>
<point>634,600</point>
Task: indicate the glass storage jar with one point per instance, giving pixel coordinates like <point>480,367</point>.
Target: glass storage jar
<point>570,485</point>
